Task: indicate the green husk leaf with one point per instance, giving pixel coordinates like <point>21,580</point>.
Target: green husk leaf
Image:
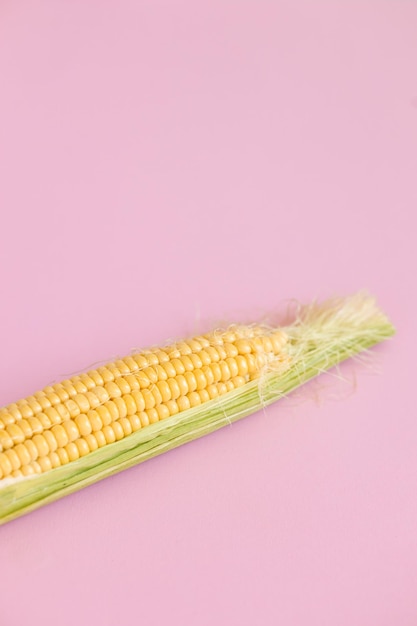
<point>322,336</point>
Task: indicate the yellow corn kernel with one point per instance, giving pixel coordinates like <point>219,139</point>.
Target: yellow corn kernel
<point>191,381</point>
<point>161,372</point>
<point>35,425</point>
<point>14,411</point>
<point>63,456</point>
<point>87,381</point>
<point>139,401</point>
<point>229,385</point>
<point>54,458</point>
<point>149,399</point>
<point>233,366</point>
<point>32,449</point>
<point>62,411</point>
<point>15,432</point>
<point>6,441</point>
<point>164,390</point>
<point>152,415</point>
<point>54,416</point>
<point>6,418</point>
<point>60,435</point>
<point>105,374</point>
<point>196,361</point>
<point>23,454</point>
<point>135,422</point>
<point>82,446</point>
<point>50,440</point>
<point>42,399</point>
<point>104,414</point>
<point>71,429</point>
<point>140,360</point>
<point>204,395</point>
<point>151,357</point>
<point>221,352</point>
<point>130,404</point>
<point>156,394</point>
<point>133,382</point>
<point>100,438</point>
<point>108,432</point>
<point>204,358</point>
<point>126,425</point>
<point>169,369</point>
<point>121,407</point>
<point>163,411</point>
<point>213,354</point>
<point>187,363</point>
<point>61,392</point>
<point>34,404</point>
<point>225,371</point>
<point>143,380</point>
<point>95,420</point>
<point>144,419</point>
<point>118,430</point>
<point>112,408</point>
<point>41,445</point>
<point>242,365</point>
<point>216,371</point>
<point>44,420</point>
<point>208,374</point>
<point>183,403</point>
<point>53,398</point>
<point>27,470</point>
<point>148,374</point>
<point>45,463</point>
<point>131,364</point>
<point>78,384</point>
<point>91,442</point>
<point>182,384</point>
<point>92,399</point>
<point>174,388</point>
<point>113,390</point>
<point>101,393</point>
<point>172,407</point>
<point>72,407</point>
<point>24,408</point>
<point>72,450</point>
<point>36,467</point>
<point>96,377</point>
<point>5,466</point>
<point>13,458</point>
<point>243,346</point>
<point>83,424</point>
<point>221,388</point>
<point>212,391</point>
<point>178,366</point>
<point>122,384</point>
<point>122,367</point>
<point>194,399</point>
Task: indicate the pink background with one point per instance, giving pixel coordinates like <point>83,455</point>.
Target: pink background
<point>165,165</point>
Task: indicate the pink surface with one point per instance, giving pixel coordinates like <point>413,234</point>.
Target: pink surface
<point>166,165</point>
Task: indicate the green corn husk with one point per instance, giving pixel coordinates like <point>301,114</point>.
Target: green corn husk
<point>321,336</point>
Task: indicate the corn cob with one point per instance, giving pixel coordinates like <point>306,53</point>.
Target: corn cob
<point>94,424</point>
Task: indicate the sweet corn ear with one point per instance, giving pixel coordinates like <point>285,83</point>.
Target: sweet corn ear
<point>73,433</point>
